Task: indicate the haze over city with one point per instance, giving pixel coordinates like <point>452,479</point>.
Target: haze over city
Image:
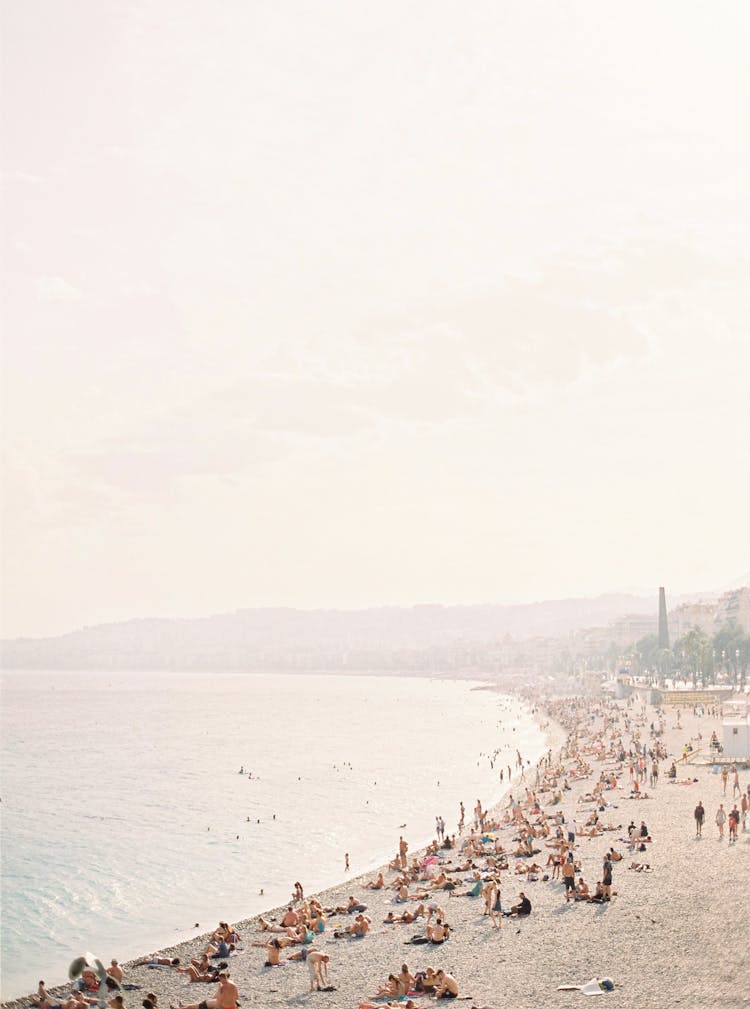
<point>344,306</point>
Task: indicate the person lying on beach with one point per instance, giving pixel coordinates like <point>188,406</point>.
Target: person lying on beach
<point>220,950</point>
<point>532,871</point>
<point>407,917</point>
<point>302,953</point>
<point>203,969</point>
<point>396,1004</point>
<point>447,986</point>
<point>76,1000</point>
<point>157,961</point>
<point>267,926</point>
<point>195,974</point>
<point>225,996</point>
<point>375,884</point>
<point>473,892</point>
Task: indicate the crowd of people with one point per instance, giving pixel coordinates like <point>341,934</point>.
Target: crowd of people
<point>549,830</point>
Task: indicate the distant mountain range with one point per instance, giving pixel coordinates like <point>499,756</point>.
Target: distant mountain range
<point>305,639</point>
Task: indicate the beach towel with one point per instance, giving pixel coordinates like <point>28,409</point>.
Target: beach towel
<point>596,986</point>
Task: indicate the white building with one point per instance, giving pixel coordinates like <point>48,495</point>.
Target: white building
<point>736,728</point>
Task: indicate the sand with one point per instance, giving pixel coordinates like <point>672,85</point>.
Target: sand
<point>677,936</point>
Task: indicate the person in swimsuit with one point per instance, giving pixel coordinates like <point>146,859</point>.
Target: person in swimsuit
<point>225,997</point>
<point>447,986</point>
<point>317,965</point>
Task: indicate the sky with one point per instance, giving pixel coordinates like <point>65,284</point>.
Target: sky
<point>346,304</point>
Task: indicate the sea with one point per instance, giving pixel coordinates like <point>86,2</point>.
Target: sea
<point>127,825</point>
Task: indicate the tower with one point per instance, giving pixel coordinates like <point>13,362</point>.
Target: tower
<point>663,625</point>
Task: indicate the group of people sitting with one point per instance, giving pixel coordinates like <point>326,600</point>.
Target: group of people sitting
<point>439,983</point>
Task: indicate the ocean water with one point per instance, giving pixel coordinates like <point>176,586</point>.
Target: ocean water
<point>125,821</point>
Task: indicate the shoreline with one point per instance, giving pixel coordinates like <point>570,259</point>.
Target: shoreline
<point>639,940</point>
<point>187,938</point>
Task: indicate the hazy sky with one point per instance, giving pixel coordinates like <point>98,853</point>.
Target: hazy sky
<point>343,304</point>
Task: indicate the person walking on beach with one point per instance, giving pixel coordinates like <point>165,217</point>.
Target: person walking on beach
<point>735,781</point>
<point>569,878</point>
<point>721,819</point>
<point>700,815</point>
<point>724,777</point>
<point>734,822</point>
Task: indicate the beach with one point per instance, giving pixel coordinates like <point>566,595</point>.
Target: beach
<point>674,934</point>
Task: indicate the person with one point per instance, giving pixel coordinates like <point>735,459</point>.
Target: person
<point>735,781</point>
<point>376,884</point>
<point>607,879</point>
<point>115,970</point>
<point>724,777</point>
<point>317,965</point>
<point>393,988</point>
<point>220,950</point>
<point>495,910</point>
<point>438,932</point>
<point>202,970</point>
<point>447,986</point>
<point>157,961</point>
<point>582,892</point>
<point>734,822</point>
<point>225,996</point>
<point>346,862</point>
<point>700,814</point>
<point>522,908</point>
<point>358,928</point>
<point>569,878</point>
<point>721,819</point>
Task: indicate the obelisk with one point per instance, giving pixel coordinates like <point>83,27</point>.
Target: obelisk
<point>663,625</point>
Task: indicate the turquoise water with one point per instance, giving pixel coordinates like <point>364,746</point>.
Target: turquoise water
<point>125,822</point>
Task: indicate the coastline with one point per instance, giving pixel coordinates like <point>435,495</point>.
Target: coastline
<point>170,938</point>
<point>641,940</point>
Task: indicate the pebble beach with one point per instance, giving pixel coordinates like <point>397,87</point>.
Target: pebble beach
<point>675,933</point>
